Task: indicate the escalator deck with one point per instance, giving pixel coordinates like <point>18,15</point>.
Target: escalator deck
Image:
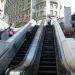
<point>47,64</point>
<point>22,51</point>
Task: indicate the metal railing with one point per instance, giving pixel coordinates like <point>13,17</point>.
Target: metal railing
<point>66,52</point>
<point>9,47</point>
<point>31,54</point>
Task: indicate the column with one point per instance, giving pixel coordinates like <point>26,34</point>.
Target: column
<point>67,18</point>
<point>2,6</point>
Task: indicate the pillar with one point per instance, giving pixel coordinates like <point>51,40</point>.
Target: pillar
<point>2,6</point>
<point>67,18</point>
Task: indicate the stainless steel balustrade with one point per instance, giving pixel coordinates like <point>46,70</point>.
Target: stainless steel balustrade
<point>66,50</point>
<point>19,37</point>
<point>60,39</point>
<point>32,51</point>
<point>9,48</point>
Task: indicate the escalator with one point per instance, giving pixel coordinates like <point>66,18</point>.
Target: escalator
<point>22,51</point>
<point>47,63</point>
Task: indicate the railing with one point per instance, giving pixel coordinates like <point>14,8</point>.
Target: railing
<point>32,51</point>
<point>34,46</point>
<point>9,48</point>
<point>60,39</point>
<point>66,52</point>
<point>19,37</point>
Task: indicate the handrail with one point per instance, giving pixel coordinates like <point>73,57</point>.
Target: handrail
<point>13,38</point>
<point>17,39</point>
<point>8,42</point>
<point>31,52</point>
<point>68,58</point>
<point>60,39</point>
<point>13,45</point>
<point>33,47</point>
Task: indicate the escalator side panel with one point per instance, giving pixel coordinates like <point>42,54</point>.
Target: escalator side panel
<point>23,49</point>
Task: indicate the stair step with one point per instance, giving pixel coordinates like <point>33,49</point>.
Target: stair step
<point>50,51</point>
<point>22,52</point>
<point>48,55</point>
<point>49,37</point>
<point>47,63</point>
<point>47,73</point>
<point>18,58</point>
<point>15,62</point>
<point>49,43</point>
<point>49,47</point>
<point>46,68</point>
<point>48,59</point>
<point>49,40</point>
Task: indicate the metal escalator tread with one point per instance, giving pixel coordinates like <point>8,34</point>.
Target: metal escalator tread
<point>22,51</point>
<point>47,73</point>
<point>47,64</point>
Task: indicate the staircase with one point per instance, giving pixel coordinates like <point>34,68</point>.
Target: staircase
<point>47,64</point>
<point>21,53</point>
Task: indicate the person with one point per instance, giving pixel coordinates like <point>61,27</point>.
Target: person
<point>30,33</point>
<point>10,32</point>
<point>48,20</point>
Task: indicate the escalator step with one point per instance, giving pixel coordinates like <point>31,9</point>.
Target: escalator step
<point>15,62</point>
<point>47,63</point>
<point>18,58</point>
<point>47,73</point>
<point>48,42</point>
<point>48,59</point>
<point>22,51</point>
<point>48,55</point>
<point>48,52</point>
<point>49,46</point>
<point>19,54</point>
<point>51,40</point>
<point>46,68</point>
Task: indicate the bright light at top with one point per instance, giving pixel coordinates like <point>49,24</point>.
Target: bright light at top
<point>68,3</point>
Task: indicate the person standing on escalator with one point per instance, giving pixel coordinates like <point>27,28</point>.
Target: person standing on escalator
<point>48,20</point>
<point>10,32</point>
